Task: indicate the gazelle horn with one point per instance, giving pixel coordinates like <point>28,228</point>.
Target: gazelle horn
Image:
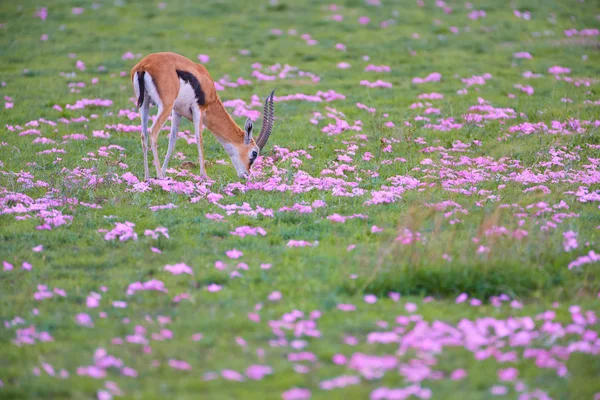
<point>268,121</point>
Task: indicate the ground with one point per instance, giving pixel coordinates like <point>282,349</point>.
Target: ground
<point>422,223</point>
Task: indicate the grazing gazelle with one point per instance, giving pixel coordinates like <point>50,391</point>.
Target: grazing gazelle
<point>180,87</point>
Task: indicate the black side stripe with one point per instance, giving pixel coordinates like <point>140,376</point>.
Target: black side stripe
<point>193,81</point>
<point>142,87</point>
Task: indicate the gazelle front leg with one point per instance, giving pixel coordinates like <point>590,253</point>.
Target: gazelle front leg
<point>163,113</point>
<point>144,111</point>
<point>175,119</point>
<point>198,127</point>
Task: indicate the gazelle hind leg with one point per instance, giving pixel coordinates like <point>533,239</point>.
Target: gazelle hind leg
<point>163,113</point>
<point>198,127</point>
<point>144,111</point>
<point>164,100</point>
<point>175,119</point>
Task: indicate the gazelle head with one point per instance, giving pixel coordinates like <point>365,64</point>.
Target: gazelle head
<point>248,152</point>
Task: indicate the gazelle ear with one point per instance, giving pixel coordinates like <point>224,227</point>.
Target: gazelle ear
<point>248,131</point>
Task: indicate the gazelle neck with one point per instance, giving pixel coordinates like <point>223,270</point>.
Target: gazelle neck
<point>220,123</point>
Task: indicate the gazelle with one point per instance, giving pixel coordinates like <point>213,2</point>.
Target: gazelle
<point>180,87</point>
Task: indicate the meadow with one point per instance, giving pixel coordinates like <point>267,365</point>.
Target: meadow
<point>423,222</point>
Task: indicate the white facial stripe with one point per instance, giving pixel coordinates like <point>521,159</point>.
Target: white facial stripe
<point>238,164</point>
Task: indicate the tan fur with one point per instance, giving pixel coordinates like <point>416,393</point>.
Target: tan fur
<point>162,68</point>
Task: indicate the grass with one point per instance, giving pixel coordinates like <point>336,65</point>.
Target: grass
<point>444,263</point>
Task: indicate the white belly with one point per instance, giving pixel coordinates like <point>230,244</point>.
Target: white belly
<point>186,100</point>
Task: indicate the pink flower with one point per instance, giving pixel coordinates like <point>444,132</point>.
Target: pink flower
<point>179,269</point>
<point>275,296</point>
<point>498,390</point>
<point>343,65</point>
<point>476,14</point>
<point>93,300</point>
<point>570,240</point>
<point>296,394</point>
<point>127,371</point>
<point>337,218</point>
<point>257,372</point>
<point>377,83</point>
<point>376,229</point>
<point>462,298</point>
<point>220,265</point>
<point>243,231</point>
<point>42,13</point>
<point>370,299</point>
<point>152,284</point>
<point>516,304</point>
<point>38,249</point>
<point>84,320</point>
<point>301,243</point>
<point>104,395</point>
<point>232,375</point>
<point>523,54</point>
<point>234,253</point>
<point>433,77</point>
<point>197,337</point>
<point>364,20</point>
<point>339,359</point>
<point>161,230</point>
<point>346,307</point>
<point>26,266</point>
<point>525,88</point>
<point>119,304</point>
<point>482,249</point>
<point>178,364</point>
<point>557,70</point>
<point>394,296</point>
<point>214,217</point>
<point>590,258</point>
<point>213,287</point>
<point>377,68</point>
<point>508,374</point>
<point>458,374</point>
<point>203,58</point>
<point>122,231</point>
<point>410,307</point>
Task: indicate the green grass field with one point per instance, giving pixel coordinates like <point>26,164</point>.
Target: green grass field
<point>479,184</point>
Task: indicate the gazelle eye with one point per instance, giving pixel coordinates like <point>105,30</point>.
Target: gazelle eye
<point>254,154</point>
